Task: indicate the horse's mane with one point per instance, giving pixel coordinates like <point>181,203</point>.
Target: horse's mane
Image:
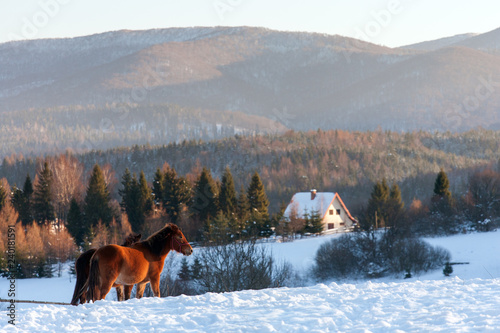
<point>156,242</point>
<point>131,239</point>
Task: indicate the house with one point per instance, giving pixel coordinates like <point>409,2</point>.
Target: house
<point>329,205</point>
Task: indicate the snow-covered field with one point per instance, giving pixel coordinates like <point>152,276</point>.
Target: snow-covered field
<point>467,301</point>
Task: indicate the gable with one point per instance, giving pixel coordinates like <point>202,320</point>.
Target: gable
<point>302,204</point>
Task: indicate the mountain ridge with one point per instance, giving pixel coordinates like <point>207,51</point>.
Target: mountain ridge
<point>302,80</point>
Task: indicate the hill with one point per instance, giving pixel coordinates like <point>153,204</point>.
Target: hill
<point>345,162</point>
<point>303,81</point>
<point>423,303</point>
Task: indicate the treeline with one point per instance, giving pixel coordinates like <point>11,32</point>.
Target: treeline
<point>345,162</point>
<point>82,212</point>
<point>86,128</point>
<point>102,206</point>
<point>444,213</point>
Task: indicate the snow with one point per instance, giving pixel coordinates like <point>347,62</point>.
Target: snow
<point>466,301</point>
<point>301,203</point>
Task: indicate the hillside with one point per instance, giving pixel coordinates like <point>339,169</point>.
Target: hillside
<point>304,81</point>
<point>339,161</point>
<point>465,301</point>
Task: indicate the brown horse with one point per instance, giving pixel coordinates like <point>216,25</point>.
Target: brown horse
<point>82,267</point>
<point>139,264</point>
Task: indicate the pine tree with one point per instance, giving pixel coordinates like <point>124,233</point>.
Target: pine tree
<point>75,224</point>
<point>314,223</point>
<point>158,186</point>
<point>394,207</point>
<point>43,209</point>
<point>442,199</point>
<point>375,212</point>
<point>185,272</point>
<point>196,269</point>
<point>145,195</point>
<point>3,197</point>
<point>227,198</point>
<point>131,200</point>
<point>204,202</point>
<point>243,205</point>
<point>257,197</point>
<point>97,200</point>
<point>26,213</point>
<point>176,194</point>
<point>21,201</point>
<point>258,204</point>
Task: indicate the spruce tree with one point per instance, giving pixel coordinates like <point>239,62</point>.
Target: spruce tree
<point>442,185</point>
<point>145,194</point>
<point>21,201</point>
<point>196,269</point>
<point>314,223</point>
<point>204,202</point>
<point>97,200</point>
<point>158,186</point>
<point>3,196</point>
<point>43,209</point>
<point>17,200</point>
<point>176,194</point>
<point>227,198</point>
<point>376,212</point>
<point>243,205</point>
<point>131,200</point>
<point>394,206</point>
<point>257,197</point>
<point>75,224</point>
<point>28,187</point>
<point>442,200</point>
<point>258,204</point>
<point>185,272</point>
<point>26,214</point>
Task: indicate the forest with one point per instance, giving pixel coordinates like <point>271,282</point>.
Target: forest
<point>237,188</point>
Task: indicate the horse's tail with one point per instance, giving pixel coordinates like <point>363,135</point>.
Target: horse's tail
<point>82,266</point>
<point>92,283</point>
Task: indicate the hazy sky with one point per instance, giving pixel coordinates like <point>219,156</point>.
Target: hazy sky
<point>387,22</point>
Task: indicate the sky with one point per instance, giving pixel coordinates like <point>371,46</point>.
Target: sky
<point>385,22</point>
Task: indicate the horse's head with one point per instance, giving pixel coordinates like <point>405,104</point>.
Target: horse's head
<point>179,242</point>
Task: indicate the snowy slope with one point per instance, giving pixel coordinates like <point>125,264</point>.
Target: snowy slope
<point>467,301</point>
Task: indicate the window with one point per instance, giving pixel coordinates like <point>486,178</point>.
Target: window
<point>331,211</point>
<point>338,211</point>
<point>331,225</point>
<point>342,224</point>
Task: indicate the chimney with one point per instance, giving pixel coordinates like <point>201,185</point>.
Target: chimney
<point>313,194</point>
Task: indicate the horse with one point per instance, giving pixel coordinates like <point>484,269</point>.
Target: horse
<point>139,264</point>
<point>82,267</point>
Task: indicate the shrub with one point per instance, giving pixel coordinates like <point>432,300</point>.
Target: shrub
<point>240,266</point>
<point>338,258</point>
<point>369,255</point>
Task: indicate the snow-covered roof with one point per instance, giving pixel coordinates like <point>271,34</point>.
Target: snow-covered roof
<point>302,203</point>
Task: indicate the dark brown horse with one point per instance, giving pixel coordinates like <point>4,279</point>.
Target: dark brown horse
<point>139,264</point>
<point>82,267</point>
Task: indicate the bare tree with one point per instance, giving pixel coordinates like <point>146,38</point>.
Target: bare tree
<point>67,174</point>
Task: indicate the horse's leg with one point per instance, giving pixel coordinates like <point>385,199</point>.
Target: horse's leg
<point>119,294</point>
<point>105,287</point>
<point>140,289</point>
<point>128,291</point>
<point>155,285</point>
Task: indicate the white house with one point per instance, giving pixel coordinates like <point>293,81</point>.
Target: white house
<point>329,205</point>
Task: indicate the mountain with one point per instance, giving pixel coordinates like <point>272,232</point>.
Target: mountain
<point>433,45</point>
<point>300,80</point>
